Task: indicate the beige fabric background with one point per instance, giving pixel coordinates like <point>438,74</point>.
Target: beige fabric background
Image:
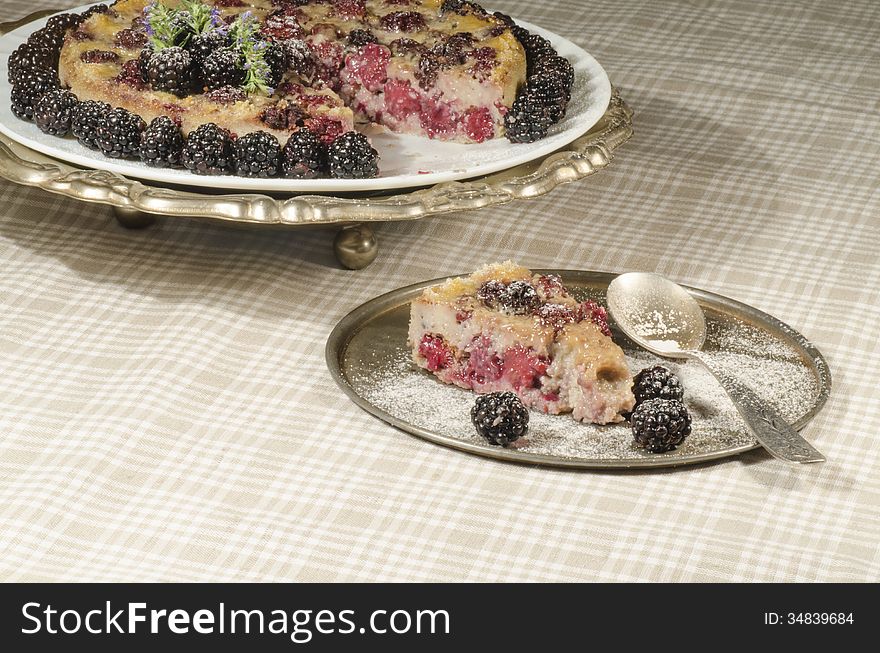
<point>165,411</point>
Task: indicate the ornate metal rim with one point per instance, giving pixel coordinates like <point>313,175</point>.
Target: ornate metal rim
<point>581,158</point>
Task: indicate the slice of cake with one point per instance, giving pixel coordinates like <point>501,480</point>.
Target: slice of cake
<point>505,328</point>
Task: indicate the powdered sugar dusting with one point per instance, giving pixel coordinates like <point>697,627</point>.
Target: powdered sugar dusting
<point>767,364</point>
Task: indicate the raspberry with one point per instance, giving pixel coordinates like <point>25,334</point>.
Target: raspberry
<point>349,9</point>
<point>368,66</point>
<point>438,119</point>
<point>478,124</point>
<point>436,352</point>
<point>132,75</point>
<point>401,99</point>
<point>590,310</point>
<point>130,39</point>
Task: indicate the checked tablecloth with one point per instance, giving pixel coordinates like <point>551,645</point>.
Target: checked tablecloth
<point>166,413</point>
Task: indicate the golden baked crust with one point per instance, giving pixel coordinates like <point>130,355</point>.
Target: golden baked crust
<point>446,103</point>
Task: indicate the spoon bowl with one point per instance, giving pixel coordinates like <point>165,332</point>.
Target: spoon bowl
<point>657,314</point>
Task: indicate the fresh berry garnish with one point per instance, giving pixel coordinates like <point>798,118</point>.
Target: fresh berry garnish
<point>304,156</point>
<point>436,352</point>
<point>27,57</point>
<point>518,298</point>
<point>130,39</point>
<point>590,310</point>
<point>63,22</point>
<point>660,425</point>
<point>369,66</point>
<point>118,134</point>
<point>275,57</point>
<point>53,112</point>
<point>84,121</point>
<point>359,37</point>
<point>208,150</point>
<point>144,60</point>
<point>528,120</point>
<point>549,91</point>
<point>46,37</point>
<point>351,156</point>
<point>500,417</point>
<point>94,9</point>
<point>162,143</point>
<point>256,155</point>
<point>298,57</point>
<point>29,87</point>
<point>558,66</point>
<point>99,56</point>
<point>201,46</point>
<point>227,95</point>
<point>223,67</point>
<point>403,21</point>
<point>171,70</point>
<point>656,383</point>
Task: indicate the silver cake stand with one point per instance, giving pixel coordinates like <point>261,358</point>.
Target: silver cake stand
<point>138,204</point>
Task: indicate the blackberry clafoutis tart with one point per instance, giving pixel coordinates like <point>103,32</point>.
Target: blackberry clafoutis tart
<point>505,329</point>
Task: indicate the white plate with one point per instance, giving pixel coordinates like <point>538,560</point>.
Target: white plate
<point>406,161</point>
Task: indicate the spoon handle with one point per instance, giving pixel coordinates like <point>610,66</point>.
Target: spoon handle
<point>775,434</point>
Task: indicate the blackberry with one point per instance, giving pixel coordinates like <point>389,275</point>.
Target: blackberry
<point>161,143</point>
<point>528,120</point>
<point>85,119</point>
<point>403,21</point>
<point>359,37</point>
<point>500,417</point>
<point>548,91</point>
<point>660,425</point>
<point>304,156</point>
<point>96,9</point>
<point>181,27</point>
<point>558,66</point>
<point>53,112</point>
<point>223,68</point>
<point>30,86</point>
<point>119,133</point>
<point>256,155</point>
<point>51,39</point>
<point>518,298</point>
<point>27,57</point>
<point>298,57</point>
<point>275,57</point>
<point>130,39</point>
<point>489,292</point>
<point>656,383</point>
<point>170,70</point>
<point>504,18</point>
<point>351,156</point>
<point>208,150</point>
<point>202,45</point>
<point>144,60</point>
<point>63,22</point>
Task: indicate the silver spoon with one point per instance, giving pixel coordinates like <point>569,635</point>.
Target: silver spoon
<point>665,319</point>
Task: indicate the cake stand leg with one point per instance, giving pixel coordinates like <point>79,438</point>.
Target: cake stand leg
<point>133,218</point>
<point>356,247</point>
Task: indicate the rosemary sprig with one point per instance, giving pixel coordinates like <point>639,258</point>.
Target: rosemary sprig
<point>245,36</point>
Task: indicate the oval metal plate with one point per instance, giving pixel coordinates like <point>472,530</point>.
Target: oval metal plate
<point>374,334</point>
